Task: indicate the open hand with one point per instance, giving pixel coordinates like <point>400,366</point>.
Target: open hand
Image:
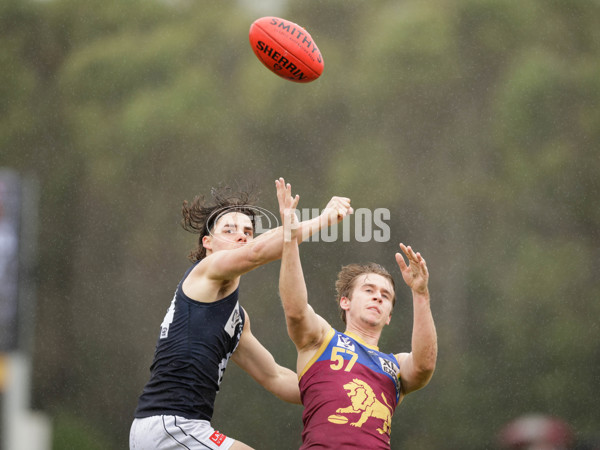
<point>415,274</point>
<point>287,209</point>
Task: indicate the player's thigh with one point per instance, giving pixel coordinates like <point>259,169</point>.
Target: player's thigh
<point>174,432</point>
<point>237,445</point>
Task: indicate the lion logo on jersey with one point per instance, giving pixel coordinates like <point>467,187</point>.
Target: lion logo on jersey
<point>364,402</point>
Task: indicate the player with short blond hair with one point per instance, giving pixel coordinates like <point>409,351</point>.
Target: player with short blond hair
<point>349,388</point>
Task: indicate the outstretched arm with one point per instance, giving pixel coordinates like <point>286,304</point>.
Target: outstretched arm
<point>337,208</point>
<point>416,368</point>
<point>256,360</point>
<point>305,327</point>
<point>228,264</point>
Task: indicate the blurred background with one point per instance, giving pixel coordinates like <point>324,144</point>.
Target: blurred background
<point>475,122</point>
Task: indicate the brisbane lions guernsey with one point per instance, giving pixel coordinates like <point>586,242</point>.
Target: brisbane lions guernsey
<point>195,343</point>
<point>349,391</point>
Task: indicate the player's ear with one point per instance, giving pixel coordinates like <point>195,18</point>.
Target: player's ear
<point>345,303</point>
<point>207,242</point>
<point>392,310</point>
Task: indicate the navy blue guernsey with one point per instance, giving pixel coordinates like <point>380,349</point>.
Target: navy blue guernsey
<point>195,343</point>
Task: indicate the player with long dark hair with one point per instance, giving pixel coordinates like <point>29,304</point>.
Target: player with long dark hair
<point>205,326</point>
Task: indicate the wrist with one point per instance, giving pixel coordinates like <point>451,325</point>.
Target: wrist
<point>422,293</point>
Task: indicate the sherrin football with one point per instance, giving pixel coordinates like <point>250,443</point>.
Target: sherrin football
<point>286,49</point>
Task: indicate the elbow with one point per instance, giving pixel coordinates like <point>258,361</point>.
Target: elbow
<point>294,399</point>
<point>294,302</point>
<point>427,358</point>
<point>423,376</point>
<point>425,373</point>
<point>293,318</point>
<point>425,366</point>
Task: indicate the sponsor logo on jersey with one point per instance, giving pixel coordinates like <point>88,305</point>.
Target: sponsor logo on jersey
<point>168,319</point>
<point>234,320</point>
<point>389,367</point>
<point>222,367</point>
<point>345,342</point>
<point>392,369</point>
<point>217,438</point>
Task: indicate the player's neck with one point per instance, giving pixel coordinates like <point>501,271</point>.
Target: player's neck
<point>368,335</point>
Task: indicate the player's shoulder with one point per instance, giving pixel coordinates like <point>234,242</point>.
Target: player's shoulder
<point>401,358</point>
<point>201,287</point>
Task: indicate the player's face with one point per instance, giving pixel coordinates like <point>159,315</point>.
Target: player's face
<point>371,301</point>
<point>232,230</point>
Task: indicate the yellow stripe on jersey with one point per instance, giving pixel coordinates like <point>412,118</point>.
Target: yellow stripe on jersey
<point>319,352</point>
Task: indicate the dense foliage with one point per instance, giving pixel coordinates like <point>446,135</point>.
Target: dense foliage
<point>476,122</point>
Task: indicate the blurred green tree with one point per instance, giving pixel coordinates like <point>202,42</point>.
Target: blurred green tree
<point>475,122</point>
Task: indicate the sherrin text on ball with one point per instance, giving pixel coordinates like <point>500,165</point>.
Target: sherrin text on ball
<point>286,49</point>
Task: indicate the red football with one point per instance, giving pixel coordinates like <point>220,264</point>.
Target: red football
<point>286,49</point>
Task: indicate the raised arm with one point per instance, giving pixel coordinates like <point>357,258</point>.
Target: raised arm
<point>258,362</point>
<point>229,264</point>
<point>336,209</point>
<point>416,367</point>
<point>305,327</point>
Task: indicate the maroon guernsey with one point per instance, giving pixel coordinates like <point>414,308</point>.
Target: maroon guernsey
<point>349,391</point>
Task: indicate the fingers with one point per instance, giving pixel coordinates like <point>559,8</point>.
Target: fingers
<point>295,202</point>
<point>410,253</point>
<point>280,186</point>
<point>284,194</point>
<point>342,202</point>
<point>279,183</point>
<point>412,256</point>
<point>401,262</point>
<point>290,202</point>
<point>341,205</point>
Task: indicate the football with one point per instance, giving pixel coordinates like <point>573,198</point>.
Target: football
<point>286,49</point>
<point>335,418</point>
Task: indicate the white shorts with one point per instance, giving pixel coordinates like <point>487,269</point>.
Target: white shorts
<point>177,433</point>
